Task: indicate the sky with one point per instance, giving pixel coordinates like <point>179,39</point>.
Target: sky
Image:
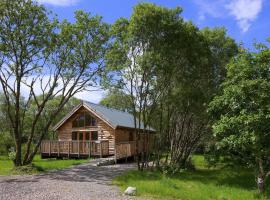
<point>246,21</point>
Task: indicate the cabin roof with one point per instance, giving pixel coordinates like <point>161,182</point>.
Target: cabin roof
<point>115,118</point>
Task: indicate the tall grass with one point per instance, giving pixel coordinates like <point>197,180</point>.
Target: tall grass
<point>220,183</point>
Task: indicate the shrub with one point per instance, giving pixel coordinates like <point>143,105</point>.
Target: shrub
<point>12,154</point>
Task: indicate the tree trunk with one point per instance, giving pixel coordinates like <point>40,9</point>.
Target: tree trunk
<point>18,158</point>
<point>261,183</point>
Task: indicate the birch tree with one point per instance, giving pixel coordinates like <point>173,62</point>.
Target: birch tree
<point>42,58</point>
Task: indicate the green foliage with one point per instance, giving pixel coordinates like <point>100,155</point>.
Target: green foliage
<point>50,107</point>
<point>11,154</point>
<point>6,142</point>
<point>221,48</point>
<point>241,113</point>
<point>172,68</point>
<point>118,100</point>
<point>61,58</point>
<point>38,166</point>
<point>242,110</point>
<point>172,169</point>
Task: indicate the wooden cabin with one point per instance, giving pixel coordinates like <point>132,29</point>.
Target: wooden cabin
<point>95,130</point>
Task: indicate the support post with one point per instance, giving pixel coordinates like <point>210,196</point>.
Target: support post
<point>126,153</point>
<point>89,149</point>
<point>41,148</point>
<point>100,146</point>
<point>50,148</point>
<point>115,157</point>
<point>78,149</point>
<point>68,149</point>
<point>58,148</point>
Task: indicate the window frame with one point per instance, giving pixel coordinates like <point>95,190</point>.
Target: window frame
<point>82,117</point>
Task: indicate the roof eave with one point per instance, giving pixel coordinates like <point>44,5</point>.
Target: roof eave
<point>151,130</point>
<point>99,116</point>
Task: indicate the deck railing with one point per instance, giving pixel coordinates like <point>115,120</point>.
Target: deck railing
<point>74,148</point>
<point>99,148</point>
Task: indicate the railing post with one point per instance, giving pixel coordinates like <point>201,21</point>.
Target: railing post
<point>115,147</point>
<point>58,148</point>
<point>78,149</point>
<point>126,153</point>
<point>100,146</point>
<point>40,148</point>
<point>115,157</point>
<point>49,148</point>
<point>89,149</point>
<point>68,149</point>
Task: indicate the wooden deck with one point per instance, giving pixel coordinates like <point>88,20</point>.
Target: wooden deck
<point>74,148</point>
<point>81,149</point>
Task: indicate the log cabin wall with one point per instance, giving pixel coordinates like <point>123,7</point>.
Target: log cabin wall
<point>128,134</point>
<point>124,135</point>
<point>64,132</point>
<point>106,132</point>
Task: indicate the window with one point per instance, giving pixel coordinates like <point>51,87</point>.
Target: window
<point>88,120</point>
<point>94,135</point>
<point>93,122</point>
<point>84,119</point>
<point>74,135</point>
<point>131,138</point>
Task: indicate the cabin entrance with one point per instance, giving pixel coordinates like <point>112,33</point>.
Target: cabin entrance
<point>85,138</point>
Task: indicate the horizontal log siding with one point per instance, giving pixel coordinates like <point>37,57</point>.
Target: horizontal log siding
<point>105,132</point>
<point>122,135</point>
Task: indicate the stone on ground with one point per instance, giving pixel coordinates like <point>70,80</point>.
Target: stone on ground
<point>131,191</point>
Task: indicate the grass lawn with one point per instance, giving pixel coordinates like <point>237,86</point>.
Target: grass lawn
<point>220,183</point>
<point>41,165</point>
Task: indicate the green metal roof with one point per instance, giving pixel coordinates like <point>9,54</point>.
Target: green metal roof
<point>115,117</point>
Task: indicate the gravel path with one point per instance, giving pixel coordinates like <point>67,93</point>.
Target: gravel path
<point>82,182</point>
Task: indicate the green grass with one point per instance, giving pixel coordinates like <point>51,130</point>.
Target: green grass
<point>40,165</point>
<point>220,183</point>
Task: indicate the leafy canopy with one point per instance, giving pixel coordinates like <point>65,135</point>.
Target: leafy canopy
<point>117,99</point>
<point>242,111</point>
